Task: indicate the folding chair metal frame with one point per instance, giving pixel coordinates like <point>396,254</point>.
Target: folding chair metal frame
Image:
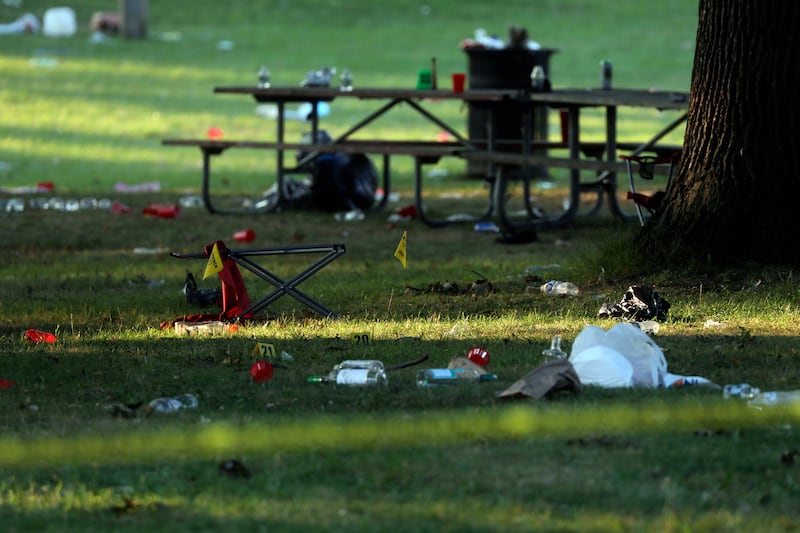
<point>282,287</point>
<point>647,166</point>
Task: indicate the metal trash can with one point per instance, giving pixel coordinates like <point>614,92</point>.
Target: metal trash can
<point>505,68</point>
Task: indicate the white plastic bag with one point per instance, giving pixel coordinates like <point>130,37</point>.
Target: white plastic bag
<point>598,356</point>
<point>603,367</point>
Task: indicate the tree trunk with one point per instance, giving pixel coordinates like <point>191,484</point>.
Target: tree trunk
<point>736,195</point>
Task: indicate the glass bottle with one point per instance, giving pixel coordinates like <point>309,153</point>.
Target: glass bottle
<point>538,78</point>
<point>431,377</point>
<point>555,351</point>
<point>605,74</point>
<point>263,77</point>
<point>346,80</point>
<point>372,375</point>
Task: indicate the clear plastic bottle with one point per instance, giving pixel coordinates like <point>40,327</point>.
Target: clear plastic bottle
<point>346,80</point>
<point>772,398</point>
<point>360,363</point>
<point>740,390</point>
<point>431,377</point>
<point>560,287</point>
<point>555,351</point>
<point>173,404</point>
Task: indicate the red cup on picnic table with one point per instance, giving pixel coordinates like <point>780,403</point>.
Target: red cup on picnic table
<point>33,335</point>
<point>245,235</point>
<point>459,80</point>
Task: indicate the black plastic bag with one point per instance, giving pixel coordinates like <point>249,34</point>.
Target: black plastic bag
<point>638,303</point>
<point>344,182</point>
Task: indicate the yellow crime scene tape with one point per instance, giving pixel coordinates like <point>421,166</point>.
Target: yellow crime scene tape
<point>429,429</point>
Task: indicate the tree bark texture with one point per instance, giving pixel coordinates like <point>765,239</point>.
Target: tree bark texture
<point>736,195</point>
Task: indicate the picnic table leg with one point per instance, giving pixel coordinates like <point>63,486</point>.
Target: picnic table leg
<point>206,186</point>
<point>420,204</point>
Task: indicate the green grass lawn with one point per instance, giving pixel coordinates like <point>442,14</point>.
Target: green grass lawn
<point>88,115</point>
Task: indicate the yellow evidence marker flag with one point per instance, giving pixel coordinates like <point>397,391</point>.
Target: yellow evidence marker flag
<point>214,263</point>
<point>400,253</point>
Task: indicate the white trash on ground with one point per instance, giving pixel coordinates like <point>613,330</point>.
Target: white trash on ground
<point>624,356</point>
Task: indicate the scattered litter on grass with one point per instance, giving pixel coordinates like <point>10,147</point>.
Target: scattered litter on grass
<point>478,287</point>
<point>487,227</point>
<point>34,335</point>
<point>437,173</point>
<point>162,211</point>
<point>168,405</point>
<point>545,381</point>
<point>148,186</point>
<point>261,371</point>
<point>712,324</point>
<point>211,327</point>
<point>638,303</point>
<point>190,201</point>
<point>624,356</point>
<point>124,410</point>
<point>478,355</point>
<point>42,186</point>
<point>233,468</point>
<point>140,250</point>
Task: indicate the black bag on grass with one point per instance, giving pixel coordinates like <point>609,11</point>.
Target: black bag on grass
<point>342,182</point>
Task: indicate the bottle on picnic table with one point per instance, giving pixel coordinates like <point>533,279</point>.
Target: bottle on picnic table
<point>354,372</point>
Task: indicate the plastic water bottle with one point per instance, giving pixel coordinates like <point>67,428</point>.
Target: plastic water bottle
<point>354,372</point>
<point>173,404</point>
<point>431,377</point>
<point>772,398</point>
<point>555,351</point>
<point>560,287</point>
<point>346,80</point>
<point>740,390</point>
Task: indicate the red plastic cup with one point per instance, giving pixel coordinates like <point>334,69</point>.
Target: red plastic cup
<point>478,355</point>
<point>118,207</point>
<point>33,335</point>
<point>214,133</point>
<point>245,235</point>
<point>261,371</point>
<point>162,211</point>
<point>459,80</point>
<point>408,211</point>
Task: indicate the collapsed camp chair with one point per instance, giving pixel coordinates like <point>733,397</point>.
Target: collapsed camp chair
<point>236,303</point>
<point>647,168</point>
